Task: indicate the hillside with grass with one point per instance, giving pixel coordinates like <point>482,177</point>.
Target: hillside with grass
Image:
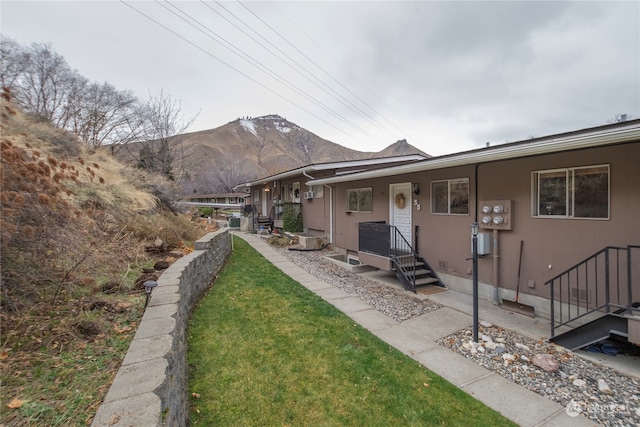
<point>80,232</point>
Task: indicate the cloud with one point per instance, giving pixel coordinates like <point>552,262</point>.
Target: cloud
<point>447,76</point>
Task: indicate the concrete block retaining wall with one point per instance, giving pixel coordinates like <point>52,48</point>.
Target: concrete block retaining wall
<point>150,389</point>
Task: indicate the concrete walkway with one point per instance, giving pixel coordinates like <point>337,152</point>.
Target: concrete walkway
<point>416,338</point>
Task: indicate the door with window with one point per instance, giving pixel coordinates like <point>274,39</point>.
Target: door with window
<point>400,209</point>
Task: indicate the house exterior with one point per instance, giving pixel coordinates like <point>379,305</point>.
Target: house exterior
<point>234,203</point>
<point>268,194</point>
<point>543,206</point>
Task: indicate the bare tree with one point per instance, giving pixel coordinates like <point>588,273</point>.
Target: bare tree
<point>15,60</point>
<point>159,141</point>
<point>45,84</point>
<point>225,173</point>
<point>103,114</point>
<point>42,83</point>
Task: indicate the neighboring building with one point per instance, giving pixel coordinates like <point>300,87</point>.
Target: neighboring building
<point>552,202</point>
<point>231,202</point>
<point>269,193</point>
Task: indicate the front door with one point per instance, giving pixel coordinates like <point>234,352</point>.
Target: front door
<point>265,196</point>
<point>400,209</point>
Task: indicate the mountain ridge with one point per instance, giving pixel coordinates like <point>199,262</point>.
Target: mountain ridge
<point>248,148</point>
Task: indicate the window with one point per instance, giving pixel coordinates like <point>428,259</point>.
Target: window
<point>572,193</point>
<point>450,196</point>
<point>318,191</point>
<point>360,200</point>
<point>256,196</point>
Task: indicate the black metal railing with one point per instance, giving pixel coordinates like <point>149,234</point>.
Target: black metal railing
<point>404,258</point>
<point>386,240</point>
<point>600,283</point>
<point>374,238</point>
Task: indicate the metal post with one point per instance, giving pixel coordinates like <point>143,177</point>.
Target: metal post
<point>474,232</point>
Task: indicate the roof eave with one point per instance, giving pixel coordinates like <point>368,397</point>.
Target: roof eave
<point>497,153</point>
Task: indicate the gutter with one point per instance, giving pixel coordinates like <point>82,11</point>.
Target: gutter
<point>330,206</point>
<point>547,145</point>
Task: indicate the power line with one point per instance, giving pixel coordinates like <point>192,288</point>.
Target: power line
<point>248,58</point>
<point>336,61</point>
<point>336,95</point>
<point>231,67</point>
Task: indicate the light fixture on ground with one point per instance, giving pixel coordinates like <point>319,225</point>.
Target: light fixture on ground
<point>474,238</point>
<point>148,288</point>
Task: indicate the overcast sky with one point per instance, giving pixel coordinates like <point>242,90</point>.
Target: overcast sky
<point>447,76</point>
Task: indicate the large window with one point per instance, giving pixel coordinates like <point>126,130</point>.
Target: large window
<point>360,200</point>
<point>572,193</point>
<point>450,196</point>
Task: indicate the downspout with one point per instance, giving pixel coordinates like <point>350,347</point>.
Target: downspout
<point>330,205</point>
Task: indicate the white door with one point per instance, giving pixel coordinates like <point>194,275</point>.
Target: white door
<point>400,209</point>
<point>265,195</point>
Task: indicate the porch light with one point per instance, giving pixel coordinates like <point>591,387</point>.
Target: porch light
<point>416,188</point>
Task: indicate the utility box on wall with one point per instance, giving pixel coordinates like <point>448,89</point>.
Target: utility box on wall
<point>484,244</point>
<point>496,215</point>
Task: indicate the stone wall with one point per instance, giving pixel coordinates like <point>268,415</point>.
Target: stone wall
<point>150,388</point>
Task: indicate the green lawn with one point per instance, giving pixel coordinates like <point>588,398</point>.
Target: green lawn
<point>264,351</point>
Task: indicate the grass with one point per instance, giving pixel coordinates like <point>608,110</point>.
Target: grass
<point>57,376</point>
<point>265,351</point>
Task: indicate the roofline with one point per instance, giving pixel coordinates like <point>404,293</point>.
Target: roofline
<point>589,138</point>
<point>332,165</point>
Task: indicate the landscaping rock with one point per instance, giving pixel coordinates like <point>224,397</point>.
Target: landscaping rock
<point>546,362</point>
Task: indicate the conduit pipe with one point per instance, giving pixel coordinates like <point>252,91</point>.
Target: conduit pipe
<point>496,271</point>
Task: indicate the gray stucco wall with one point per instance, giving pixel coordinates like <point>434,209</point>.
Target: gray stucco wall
<point>150,389</point>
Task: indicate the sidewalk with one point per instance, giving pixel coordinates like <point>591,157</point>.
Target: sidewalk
<point>416,338</point>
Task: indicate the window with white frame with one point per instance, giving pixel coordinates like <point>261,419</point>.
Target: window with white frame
<point>318,191</point>
<point>581,192</point>
<point>450,196</point>
<point>360,199</point>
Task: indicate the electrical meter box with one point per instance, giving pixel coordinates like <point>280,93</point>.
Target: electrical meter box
<point>496,215</point>
<point>484,244</point>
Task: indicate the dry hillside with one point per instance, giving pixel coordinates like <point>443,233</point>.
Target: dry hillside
<point>250,148</point>
<point>79,232</point>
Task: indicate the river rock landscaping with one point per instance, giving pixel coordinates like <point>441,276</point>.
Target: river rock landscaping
<point>598,392</point>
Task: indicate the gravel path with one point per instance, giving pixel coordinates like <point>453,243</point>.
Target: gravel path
<point>575,384</point>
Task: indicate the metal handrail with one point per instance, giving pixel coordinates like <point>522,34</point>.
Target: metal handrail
<point>401,248</point>
<point>599,272</point>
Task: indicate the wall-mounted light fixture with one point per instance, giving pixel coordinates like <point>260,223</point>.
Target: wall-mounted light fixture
<point>416,188</point>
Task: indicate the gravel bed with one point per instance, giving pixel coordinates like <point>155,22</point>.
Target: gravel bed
<point>511,355</point>
<point>574,384</point>
<point>393,302</point>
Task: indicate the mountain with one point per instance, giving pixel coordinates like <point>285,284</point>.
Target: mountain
<point>250,148</point>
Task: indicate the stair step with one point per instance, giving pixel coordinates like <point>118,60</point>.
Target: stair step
<point>426,281</point>
<point>592,332</point>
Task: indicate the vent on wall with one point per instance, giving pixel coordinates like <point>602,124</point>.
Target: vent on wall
<point>581,295</point>
<point>442,264</point>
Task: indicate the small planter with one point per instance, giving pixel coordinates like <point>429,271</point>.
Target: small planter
<point>349,264</point>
